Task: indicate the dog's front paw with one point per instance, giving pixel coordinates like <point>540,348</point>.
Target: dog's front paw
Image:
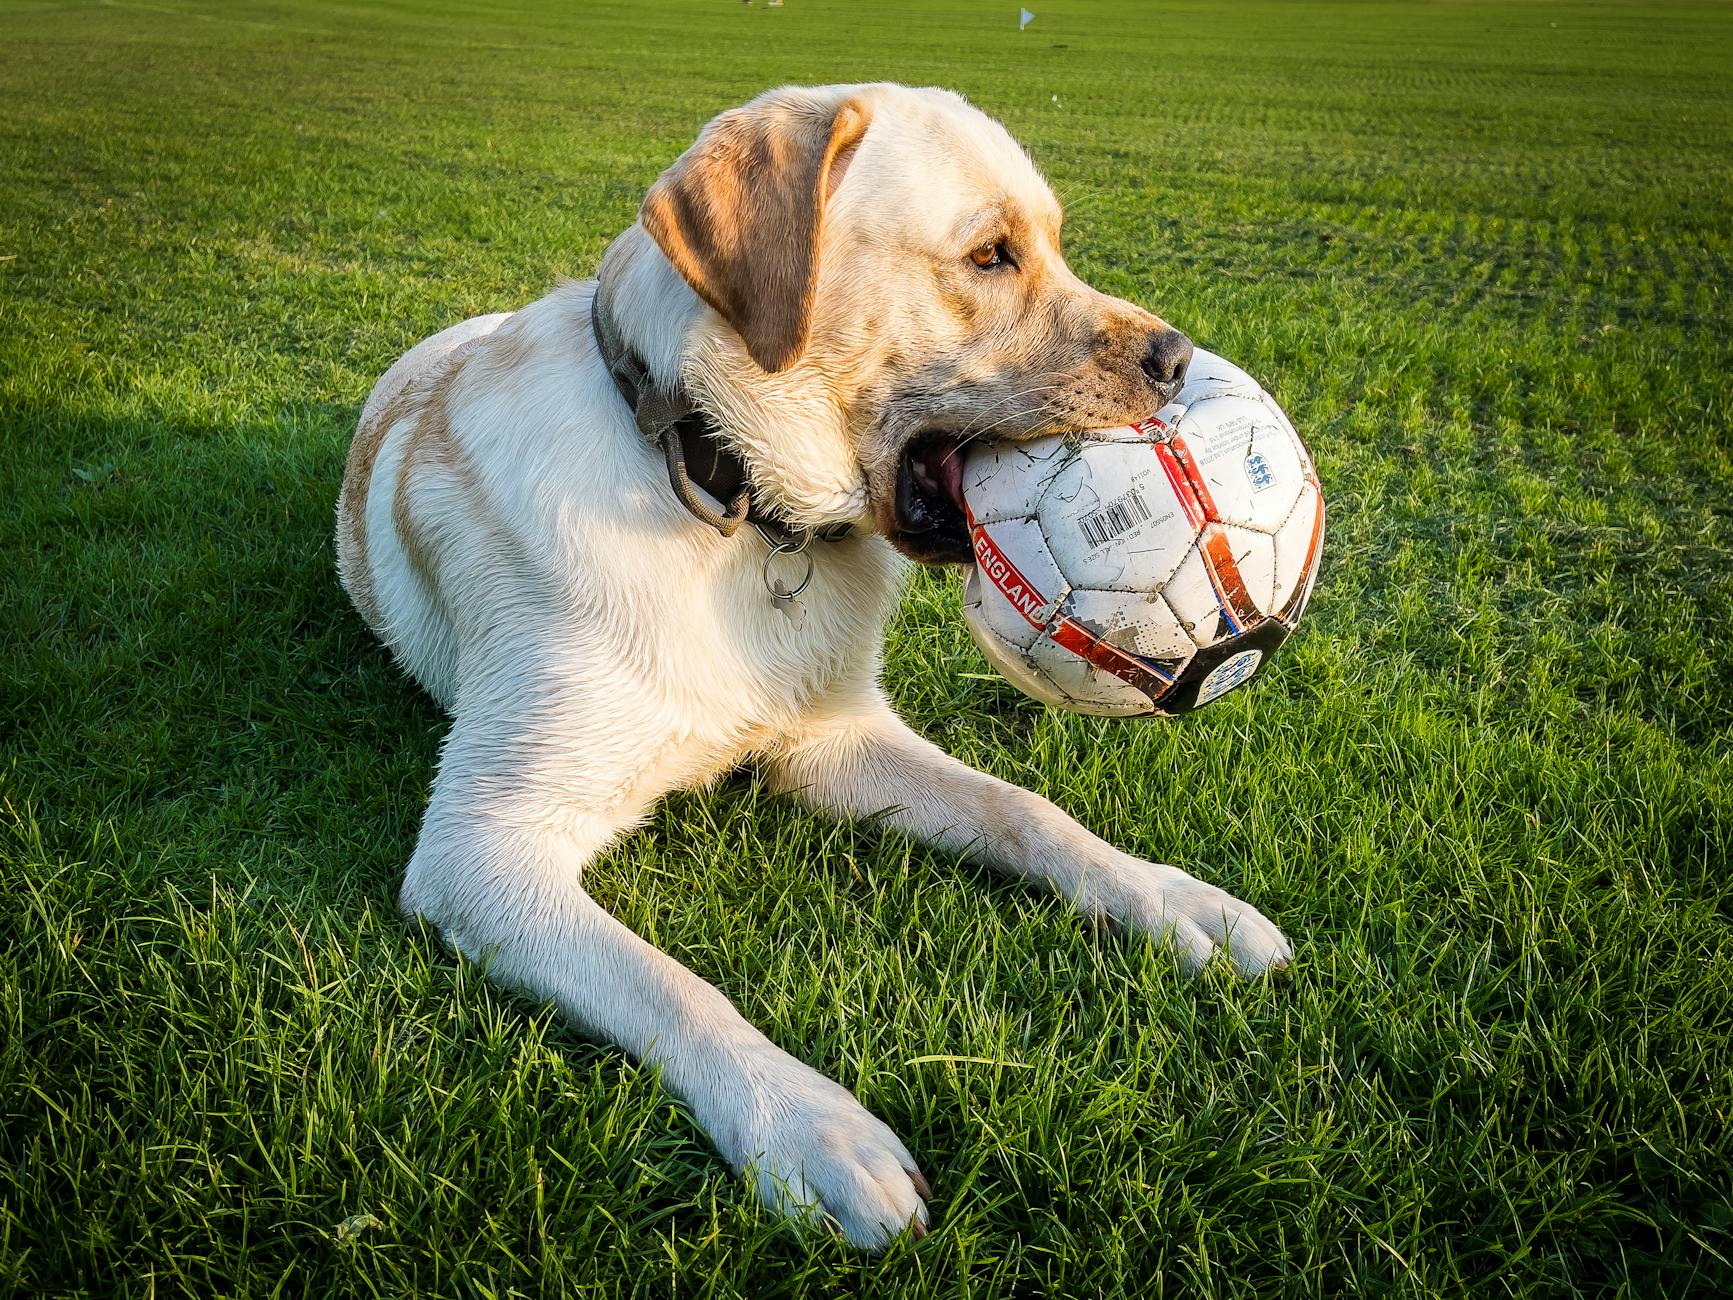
<point>814,1152</point>
<point>1199,920</point>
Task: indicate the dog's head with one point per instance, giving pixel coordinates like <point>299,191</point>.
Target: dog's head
<point>884,279</point>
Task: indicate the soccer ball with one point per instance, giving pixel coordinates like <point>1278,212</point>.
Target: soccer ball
<point>1150,568</point>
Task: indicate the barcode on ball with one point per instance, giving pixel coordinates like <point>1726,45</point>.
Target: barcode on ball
<point>1102,526</point>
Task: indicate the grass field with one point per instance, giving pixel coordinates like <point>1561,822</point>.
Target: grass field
<point>1481,251</point>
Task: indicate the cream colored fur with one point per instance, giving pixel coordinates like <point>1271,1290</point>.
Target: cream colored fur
<point>512,538</point>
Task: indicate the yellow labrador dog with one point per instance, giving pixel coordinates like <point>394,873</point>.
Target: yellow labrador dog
<point>646,530</point>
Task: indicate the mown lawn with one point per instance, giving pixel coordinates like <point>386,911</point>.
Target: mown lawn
<point>1481,251</point>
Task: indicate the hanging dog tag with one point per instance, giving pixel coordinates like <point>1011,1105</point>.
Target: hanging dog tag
<point>783,599</point>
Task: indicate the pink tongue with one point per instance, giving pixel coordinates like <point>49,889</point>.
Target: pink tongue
<point>948,472</point>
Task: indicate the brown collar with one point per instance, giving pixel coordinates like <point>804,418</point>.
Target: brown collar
<point>690,441</point>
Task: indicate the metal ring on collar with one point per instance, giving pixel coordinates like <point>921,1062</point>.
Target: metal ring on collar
<point>787,548</point>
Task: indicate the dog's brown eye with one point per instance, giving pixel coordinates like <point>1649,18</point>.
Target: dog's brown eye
<point>987,256</point>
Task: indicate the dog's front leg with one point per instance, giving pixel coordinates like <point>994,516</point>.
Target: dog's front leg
<point>864,761</point>
<point>498,871</point>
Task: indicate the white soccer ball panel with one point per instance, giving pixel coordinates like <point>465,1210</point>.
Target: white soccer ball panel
<point>1012,663</point>
<point>1191,595</point>
<point>1210,373</point>
<point>1088,689</point>
<point>1249,463</point>
<point>1004,480</point>
<point>1311,471</point>
<point>1142,624</point>
<point>1255,557</point>
<point>1112,519</point>
<point>1143,432</point>
<point>1293,544</point>
<point>1015,583</point>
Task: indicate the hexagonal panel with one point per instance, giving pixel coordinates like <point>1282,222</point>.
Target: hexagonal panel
<point>1249,464</point>
<point>1255,557</point>
<point>1004,480</point>
<point>1211,374</point>
<point>1192,597</point>
<point>1293,543</point>
<point>1142,624</point>
<point>1090,690</point>
<point>1012,663</point>
<point>1112,518</point>
<point>1014,585</point>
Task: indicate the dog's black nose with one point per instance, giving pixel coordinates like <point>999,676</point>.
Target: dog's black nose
<point>1168,356</point>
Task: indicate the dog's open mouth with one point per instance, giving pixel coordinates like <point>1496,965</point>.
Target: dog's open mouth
<point>929,506</point>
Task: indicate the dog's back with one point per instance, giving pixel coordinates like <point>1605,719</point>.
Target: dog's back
<point>393,397</point>
<point>420,361</point>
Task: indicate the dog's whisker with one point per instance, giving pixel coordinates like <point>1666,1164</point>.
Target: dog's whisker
<point>975,433</point>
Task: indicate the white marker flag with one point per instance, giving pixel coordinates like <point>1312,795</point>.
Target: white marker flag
<point>1026,19</point>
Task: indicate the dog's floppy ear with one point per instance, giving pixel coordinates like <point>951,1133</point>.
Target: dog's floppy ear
<point>739,214</point>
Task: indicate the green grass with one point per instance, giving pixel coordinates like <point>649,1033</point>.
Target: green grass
<point>1481,251</point>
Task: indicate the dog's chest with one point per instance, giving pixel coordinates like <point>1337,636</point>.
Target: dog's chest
<point>744,662</point>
